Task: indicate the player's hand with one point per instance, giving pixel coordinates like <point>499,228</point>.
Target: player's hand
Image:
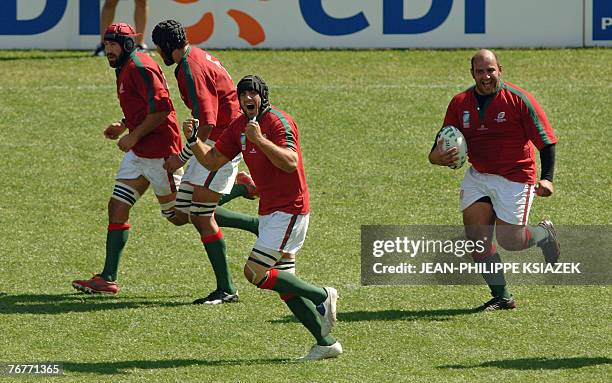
<point>127,142</point>
<point>442,157</point>
<point>173,163</point>
<point>190,130</point>
<point>253,132</point>
<point>114,130</point>
<point>544,188</point>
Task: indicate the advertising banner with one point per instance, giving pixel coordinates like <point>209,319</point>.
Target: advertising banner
<point>74,24</point>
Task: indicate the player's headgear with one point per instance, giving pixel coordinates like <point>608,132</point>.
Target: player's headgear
<point>257,84</point>
<point>169,35</point>
<point>123,34</point>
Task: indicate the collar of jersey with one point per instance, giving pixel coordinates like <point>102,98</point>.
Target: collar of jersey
<point>183,59</point>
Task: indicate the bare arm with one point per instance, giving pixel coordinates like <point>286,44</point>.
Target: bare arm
<point>283,158</point>
<point>208,156</point>
<point>149,124</point>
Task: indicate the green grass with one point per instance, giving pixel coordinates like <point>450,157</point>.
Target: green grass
<point>367,120</point>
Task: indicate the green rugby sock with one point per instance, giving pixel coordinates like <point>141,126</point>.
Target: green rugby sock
<point>237,191</point>
<point>228,218</point>
<point>535,234</point>
<point>116,238</point>
<point>217,254</point>
<point>496,281</point>
<point>287,283</point>
<point>305,311</point>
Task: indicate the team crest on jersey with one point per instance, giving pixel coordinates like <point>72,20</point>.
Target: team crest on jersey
<point>501,117</point>
<point>466,119</point>
<point>243,141</point>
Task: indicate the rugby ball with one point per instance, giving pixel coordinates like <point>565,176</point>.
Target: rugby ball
<point>453,138</point>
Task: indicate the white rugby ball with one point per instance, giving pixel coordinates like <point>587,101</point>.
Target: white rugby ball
<point>453,138</point>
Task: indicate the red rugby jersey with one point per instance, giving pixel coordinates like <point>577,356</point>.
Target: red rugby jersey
<point>207,89</point>
<point>142,89</point>
<point>501,135</point>
<point>278,190</point>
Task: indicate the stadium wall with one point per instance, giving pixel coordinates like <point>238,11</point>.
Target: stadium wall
<point>74,24</point>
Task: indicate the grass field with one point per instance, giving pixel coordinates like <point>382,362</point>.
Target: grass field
<point>367,120</point>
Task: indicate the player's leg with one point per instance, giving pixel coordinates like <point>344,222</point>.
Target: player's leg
<point>284,234</point>
<point>243,187</point>
<point>303,309</point>
<point>479,220</point>
<point>222,182</point>
<point>130,184</point>
<point>228,218</point>
<point>184,196</point>
<point>512,206</point>
<point>280,233</point>
<point>313,306</point>
<point>107,15</point>
<point>228,181</point>
<point>141,11</point>
<point>202,212</point>
<point>127,191</point>
<point>125,194</point>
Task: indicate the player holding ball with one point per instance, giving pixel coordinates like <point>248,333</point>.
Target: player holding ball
<point>501,123</point>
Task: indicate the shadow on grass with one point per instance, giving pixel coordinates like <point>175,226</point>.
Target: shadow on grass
<point>393,315</point>
<point>536,363</point>
<point>111,368</point>
<point>63,303</point>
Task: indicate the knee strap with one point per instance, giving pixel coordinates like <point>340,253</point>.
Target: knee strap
<point>287,265</point>
<point>183,198</point>
<point>200,209</point>
<point>125,193</point>
<point>167,209</point>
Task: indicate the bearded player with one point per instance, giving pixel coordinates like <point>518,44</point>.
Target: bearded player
<point>152,135</point>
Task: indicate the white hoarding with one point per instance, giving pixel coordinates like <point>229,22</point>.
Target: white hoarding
<point>73,24</point>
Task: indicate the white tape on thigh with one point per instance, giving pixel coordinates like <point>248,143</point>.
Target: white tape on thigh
<point>200,209</point>
<point>183,198</point>
<point>267,258</point>
<point>125,193</point>
<point>287,265</point>
<point>167,209</point>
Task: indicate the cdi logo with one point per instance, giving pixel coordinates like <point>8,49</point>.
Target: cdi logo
<point>602,20</point>
<point>393,19</point>
<point>249,28</point>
